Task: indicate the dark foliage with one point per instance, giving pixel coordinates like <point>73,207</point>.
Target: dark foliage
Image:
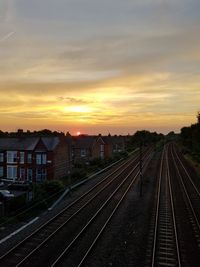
<point>190,137</point>
<point>145,137</point>
<point>47,189</point>
<point>41,133</point>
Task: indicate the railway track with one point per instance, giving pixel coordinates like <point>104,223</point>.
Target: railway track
<point>174,236</point>
<point>187,202</point>
<point>192,190</point>
<point>163,245</point>
<point>88,237</point>
<point>70,221</point>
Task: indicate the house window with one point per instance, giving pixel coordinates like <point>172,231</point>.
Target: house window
<point>41,175</point>
<point>29,175</point>
<point>29,159</point>
<point>83,152</point>
<point>115,148</point>
<point>1,157</point>
<point>44,159</point>
<point>102,151</point>
<point>1,172</point>
<point>12,172</point>
<point>41,159</point>
<point>11,156</point>
<point>22,174</point>
<point>22,157</point>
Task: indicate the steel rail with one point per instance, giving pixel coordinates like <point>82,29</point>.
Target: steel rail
<point>188,175</point>
<point>81,232</point>
<point>173,212</point>
<point>158,212</point>
<point>106,223</point>
<point>65,209</point>
<point>69,219</point>
<point>186,193</point>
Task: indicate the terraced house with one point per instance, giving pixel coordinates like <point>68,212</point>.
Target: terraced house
<point>33,159</point>
<point>86,148</point>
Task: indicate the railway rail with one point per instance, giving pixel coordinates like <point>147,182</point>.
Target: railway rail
<point>174,236</point>
<point>164,240</point>
<point>192,190</point>
<point>187,201</point>
<point>88,236</point>
<point>69,221</point>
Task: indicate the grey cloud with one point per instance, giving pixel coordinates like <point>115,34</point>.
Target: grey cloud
<point>74,100</point>
<point>27,115</point>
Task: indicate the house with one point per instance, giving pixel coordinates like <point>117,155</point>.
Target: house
<point>113,144</point>
<point>87,148</point>
<point>33,159</point>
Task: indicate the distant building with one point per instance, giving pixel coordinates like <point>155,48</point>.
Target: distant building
<point>113,144</point>
<point>33,159</point>
<point>87,148</point>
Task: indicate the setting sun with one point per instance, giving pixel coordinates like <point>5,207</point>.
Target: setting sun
<point>77,109</point>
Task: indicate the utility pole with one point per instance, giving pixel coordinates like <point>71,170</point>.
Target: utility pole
<point>69,179</point>
<point>141,178</point>
<point>69,174</point>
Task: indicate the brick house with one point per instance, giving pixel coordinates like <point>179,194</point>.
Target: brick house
<point>113,144</point>
<point>33,159</point>
<point>87,148</point>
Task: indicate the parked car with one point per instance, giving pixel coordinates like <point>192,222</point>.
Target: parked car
<point>5,194</point>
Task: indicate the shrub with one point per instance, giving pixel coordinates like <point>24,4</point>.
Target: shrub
<point>78,174</point>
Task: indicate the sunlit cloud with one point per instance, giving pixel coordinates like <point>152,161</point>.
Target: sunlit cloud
<point>110,66</point>
<point>4,38</point>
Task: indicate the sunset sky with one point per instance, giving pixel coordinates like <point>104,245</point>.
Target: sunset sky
<point>108,66</point>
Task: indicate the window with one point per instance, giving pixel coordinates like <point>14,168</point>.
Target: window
<point>11,156</point>
<point>41,159</point>
<point>22,157</point>
<point>102,151</point>
<point>41,175</point>
<point>1,157</point>
<point>1,172</point>
<point>22,174</point>
<point>83,152</point>
<point>29,159</point>
<point>115,148</point>
<point>44,159</point>
<point>12,172</point>
<point>29,174</point>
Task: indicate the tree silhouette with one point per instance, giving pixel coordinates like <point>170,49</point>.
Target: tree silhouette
<point>198,117</point>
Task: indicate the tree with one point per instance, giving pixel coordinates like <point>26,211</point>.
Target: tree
<point>191,138</point>
<point>198,117</point>
<point>145,137</point>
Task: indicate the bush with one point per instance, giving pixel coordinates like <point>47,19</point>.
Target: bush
<point>78,174</point>
<point>97,162</point>
<point>15,203</point>
<point>123,154</point>
<point>52,187</point>
<point>47,189</point>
